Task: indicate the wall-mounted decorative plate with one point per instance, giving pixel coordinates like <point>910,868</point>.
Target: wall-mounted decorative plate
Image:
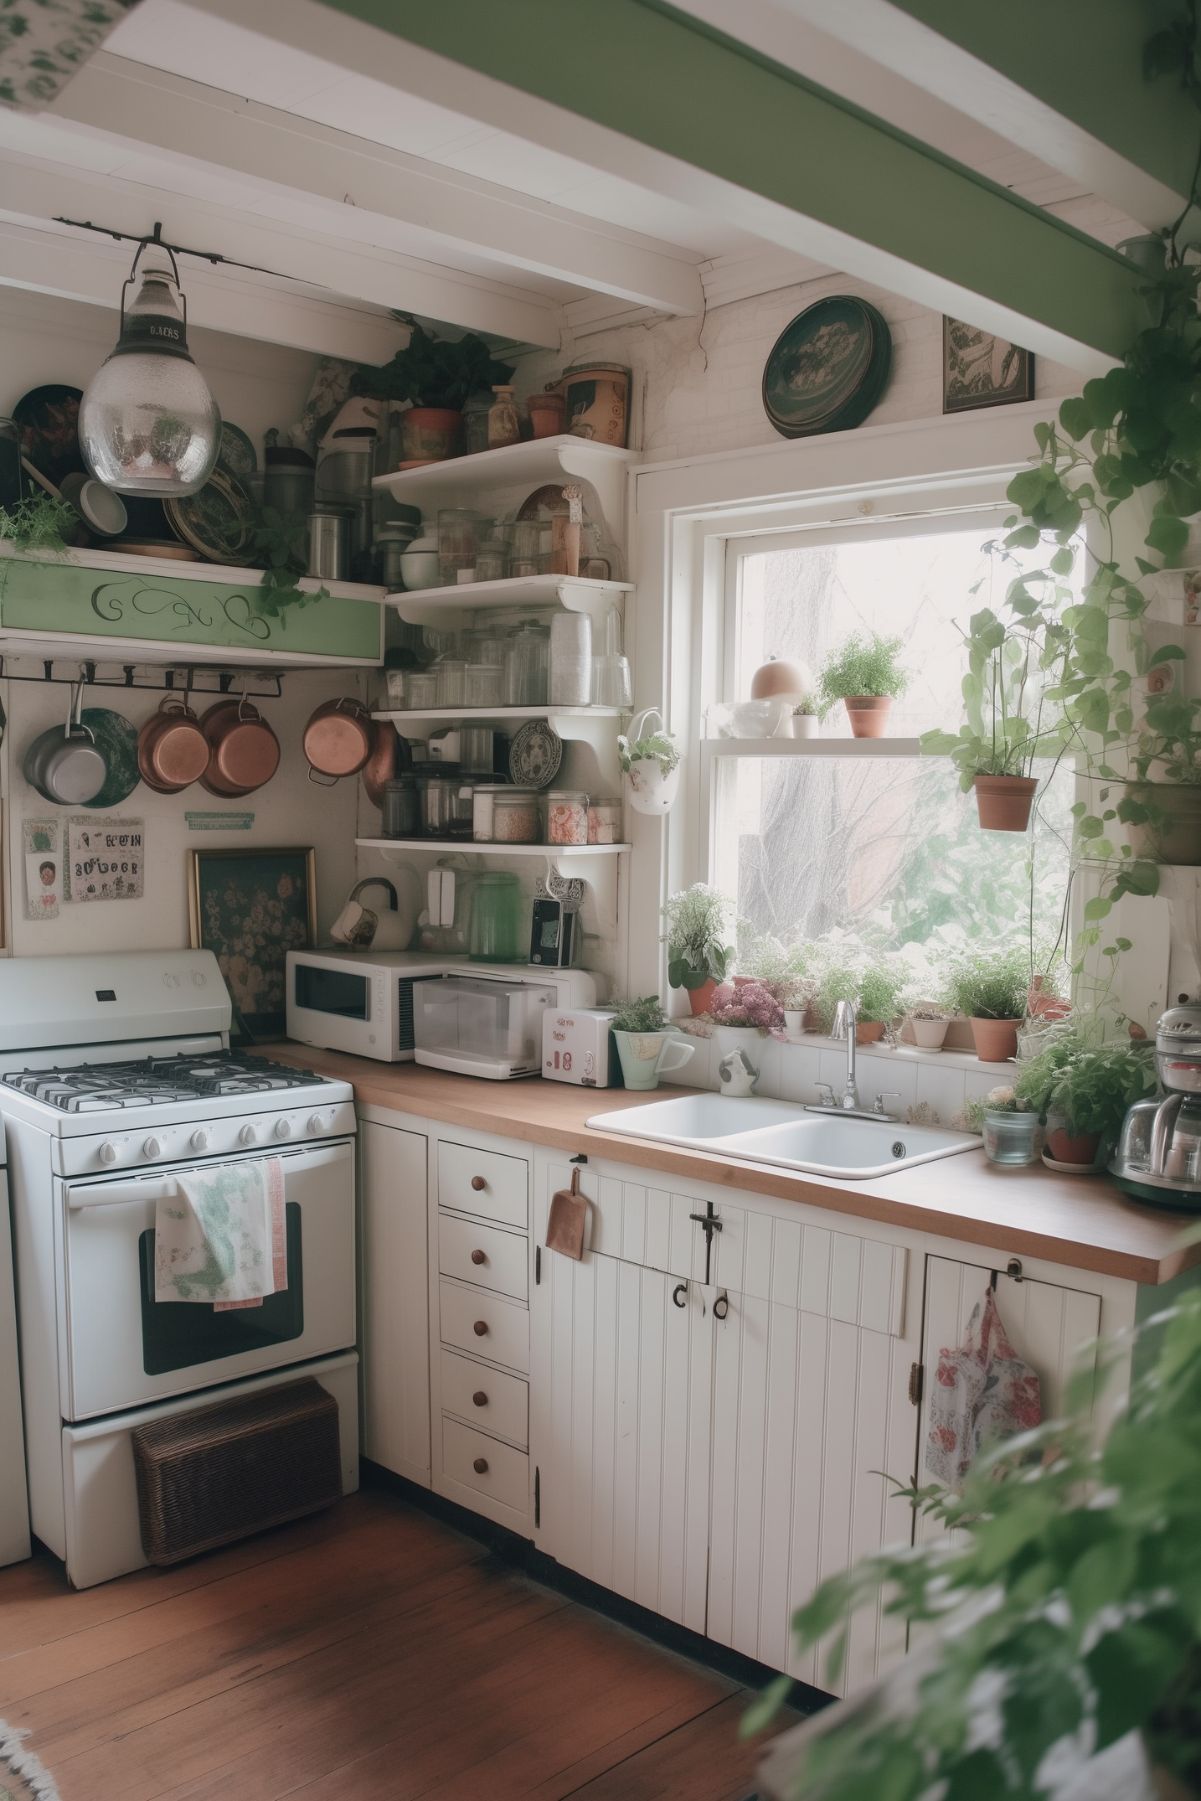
<point>535,755</point>
<point>828,367</point>
<point>116,738</point>
<point>216,521</point>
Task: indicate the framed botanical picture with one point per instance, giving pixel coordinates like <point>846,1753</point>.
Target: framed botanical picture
<point>250,907</point>
<point>979,369</point>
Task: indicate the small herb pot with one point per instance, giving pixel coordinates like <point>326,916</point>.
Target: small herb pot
<point>929,1034</point>
<point>430,434</point>
<point>1004,802</point>
<point>1076,1148</point>
<point>645,1056</point>
<point>1013,1139</point>
<point>805,725</point>
<point>868,714</point>
<point>699,998</point>
<point>869,1031</point>
<point>794,1021</point>
<point>996,1040</point>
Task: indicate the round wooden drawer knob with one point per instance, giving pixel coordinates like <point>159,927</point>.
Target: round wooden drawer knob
<point>479,1256</point>
<point>478,1183</point>
<point>479,1398</point>
<point>480,1328</point>
<point>480,1466</point>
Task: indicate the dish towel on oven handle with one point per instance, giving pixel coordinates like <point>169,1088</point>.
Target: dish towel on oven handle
<point>982,1394</point>
<point>220,1238</point>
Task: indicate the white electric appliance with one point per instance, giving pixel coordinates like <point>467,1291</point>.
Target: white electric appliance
<point>14,1502</point>
<point>487,1020</point>
<point>578,1046</point>
<point>357,1001</point>
<point>115,1076</point>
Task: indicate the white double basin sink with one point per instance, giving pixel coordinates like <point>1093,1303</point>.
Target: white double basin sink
<point>787,1136</point>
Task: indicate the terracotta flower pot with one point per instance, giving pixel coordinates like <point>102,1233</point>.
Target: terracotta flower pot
<point>430,434</point>
<point>699,998</point>
<point>996,1040</point>
<point>869,1031</point>
<point>868,714</point>
<point>1173,833</point>
<point>1073,1147</point>
<point>1004,801</point>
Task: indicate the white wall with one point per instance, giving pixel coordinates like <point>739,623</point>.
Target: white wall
<point>256,386</point>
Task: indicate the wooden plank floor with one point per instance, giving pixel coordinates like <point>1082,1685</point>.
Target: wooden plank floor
<point>368,1654</point>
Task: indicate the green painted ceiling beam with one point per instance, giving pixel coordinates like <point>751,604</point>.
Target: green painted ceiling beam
<point>1080,62</point>
<point>787,161</point>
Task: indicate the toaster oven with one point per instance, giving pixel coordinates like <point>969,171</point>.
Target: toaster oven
<point>489,1023</point>
<point>357,1001</point>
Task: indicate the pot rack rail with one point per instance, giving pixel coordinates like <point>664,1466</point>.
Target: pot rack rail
<point>182,678</point>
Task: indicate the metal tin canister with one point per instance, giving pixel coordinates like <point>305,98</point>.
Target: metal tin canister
<point>329,543</point>
<point>597,397</point>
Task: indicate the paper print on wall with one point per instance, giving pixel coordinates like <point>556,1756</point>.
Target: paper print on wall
<point>106,858</point>
<point>979,369</point>
<point>44,42</point>
<point>250,908</point>
<point>41,845</point>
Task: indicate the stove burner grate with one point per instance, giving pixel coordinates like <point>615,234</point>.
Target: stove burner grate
<point>155,1081</point>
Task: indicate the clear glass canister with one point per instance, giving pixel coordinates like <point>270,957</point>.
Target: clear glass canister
<point>566,817</point>
<point>1012,1138</point>
<point>400,812</point>
<point>451,682</point>
<point>527,658</point>
<point>482,685</point>
<point>604,822</point>
<point>516,816</point>
<point>421,689</point>
<point>504,426</point>
<point>458,542</point>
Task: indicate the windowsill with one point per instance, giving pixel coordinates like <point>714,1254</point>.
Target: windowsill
<point>904,1053</point>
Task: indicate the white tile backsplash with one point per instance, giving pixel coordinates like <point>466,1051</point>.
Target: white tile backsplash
<point>800,1073</point>
<point>941,1088</point>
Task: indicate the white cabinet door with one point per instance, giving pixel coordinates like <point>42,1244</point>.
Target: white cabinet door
<point>395,1300</point>
<point>1050,1327</point>
<point>620,1428</point>
<point>811,1404</point>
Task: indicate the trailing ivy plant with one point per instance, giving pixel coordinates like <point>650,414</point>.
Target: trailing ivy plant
<point>278,544</point>
<point>39,523</point>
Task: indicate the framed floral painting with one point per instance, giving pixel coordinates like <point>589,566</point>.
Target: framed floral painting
<point>250,907</point>
<point>979,369</point>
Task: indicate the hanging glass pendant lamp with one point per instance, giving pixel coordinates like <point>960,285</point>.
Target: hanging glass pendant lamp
<point>147,422</point>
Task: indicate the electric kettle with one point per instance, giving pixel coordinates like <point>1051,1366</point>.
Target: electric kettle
<point>1159,1156</point>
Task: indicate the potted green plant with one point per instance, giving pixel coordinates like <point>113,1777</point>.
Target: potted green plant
<point>1009,722</point>
<point>874,982</point>
<point>865,672</point>
<point>435,375</point>
<point>700,945</point>
<point>650,761</point>
<point>990,989</point>
<point>1082,1089</point>
<point>1162,808</point>
<point>647,1044</point>
<point>805,718</point>
<point>928,1021</point>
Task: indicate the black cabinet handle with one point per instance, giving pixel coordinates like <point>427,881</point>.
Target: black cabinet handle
<point>679,1294</point>
<point>721,1305</point>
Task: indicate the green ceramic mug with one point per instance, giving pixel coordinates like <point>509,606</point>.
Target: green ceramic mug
<point>647,1055</point>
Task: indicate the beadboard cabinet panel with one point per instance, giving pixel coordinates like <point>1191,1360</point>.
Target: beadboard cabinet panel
<point>393,1249</point>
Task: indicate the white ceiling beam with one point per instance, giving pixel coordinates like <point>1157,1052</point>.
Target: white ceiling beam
<point>34,192</point>
<point>369,187</point>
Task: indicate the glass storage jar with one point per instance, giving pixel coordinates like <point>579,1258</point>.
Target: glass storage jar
<point>566,817</point>
<point>570,660</point>
<point>604,822</point>
<point>1012,1138</point>
<point>458,543</point>
<point>421,689</point>
<point>452,677</point>
<point>504,427</point>
<point>527,658</point>
<point>482,685</point>
<point>399,808</point>
<point>516,816</point>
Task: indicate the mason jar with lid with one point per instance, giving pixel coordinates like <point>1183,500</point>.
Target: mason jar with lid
<point>566,817</point>
<point>516,816</point>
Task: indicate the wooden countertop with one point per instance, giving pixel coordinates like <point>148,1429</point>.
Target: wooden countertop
<point>1081,1221</point>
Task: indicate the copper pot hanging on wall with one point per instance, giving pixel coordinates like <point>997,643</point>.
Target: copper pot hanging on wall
<point>245,750</point>
<point>338,740</point>
<point>173,751</point>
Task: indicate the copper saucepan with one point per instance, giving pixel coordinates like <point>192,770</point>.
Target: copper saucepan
<point>338,740</point>
<point>173,751</point>
<point>389,756</point>
<point>244,749</point>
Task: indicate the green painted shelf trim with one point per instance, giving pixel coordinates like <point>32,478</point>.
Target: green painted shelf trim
<point>655,75</point>
<point>74,600</point>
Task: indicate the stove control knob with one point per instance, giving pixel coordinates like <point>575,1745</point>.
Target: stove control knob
<point>316,1123</point>
<point>283,1128</point>
<point>107,1152</point>
<point>152,1147</point>
<point>248,1135</point>
<point>199,1141</point>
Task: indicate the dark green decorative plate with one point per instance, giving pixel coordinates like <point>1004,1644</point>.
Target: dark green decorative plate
<point>117,741</point>
<point>216,522</point>
<point>828,368</point>
<point>237,451</point>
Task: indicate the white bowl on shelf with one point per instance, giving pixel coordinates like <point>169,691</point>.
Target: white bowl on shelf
<point>419,565</point>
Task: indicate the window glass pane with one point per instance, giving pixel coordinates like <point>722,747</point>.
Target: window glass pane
<point>803,602</point>
<point>884,844</point>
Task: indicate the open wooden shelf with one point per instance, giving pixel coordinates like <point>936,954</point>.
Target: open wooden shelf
<point>437,606</point>
<point>469,848</point>
<point>813,747</point>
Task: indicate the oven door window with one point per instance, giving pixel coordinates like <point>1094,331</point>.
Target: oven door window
<point>176,1334</point>
<point>337,991</point>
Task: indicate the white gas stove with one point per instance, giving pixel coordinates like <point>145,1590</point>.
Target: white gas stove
<point>116,1076</point>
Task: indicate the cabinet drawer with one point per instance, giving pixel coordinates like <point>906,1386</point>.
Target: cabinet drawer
<point>491,1401</point>
<point>484,1182</point>
<point>506,1325</point>
<point>505,1475</point>
<point>484,1254</point>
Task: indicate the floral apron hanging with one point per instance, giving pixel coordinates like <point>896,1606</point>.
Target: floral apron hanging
<point>983,1393</point>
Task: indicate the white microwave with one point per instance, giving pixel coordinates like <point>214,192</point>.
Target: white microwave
<point>357,1001</point>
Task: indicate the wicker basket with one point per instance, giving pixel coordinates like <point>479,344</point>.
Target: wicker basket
<point>208,1477</point>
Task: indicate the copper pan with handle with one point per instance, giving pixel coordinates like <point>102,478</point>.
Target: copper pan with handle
<point>173,751</point>
<point>244,749</point>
